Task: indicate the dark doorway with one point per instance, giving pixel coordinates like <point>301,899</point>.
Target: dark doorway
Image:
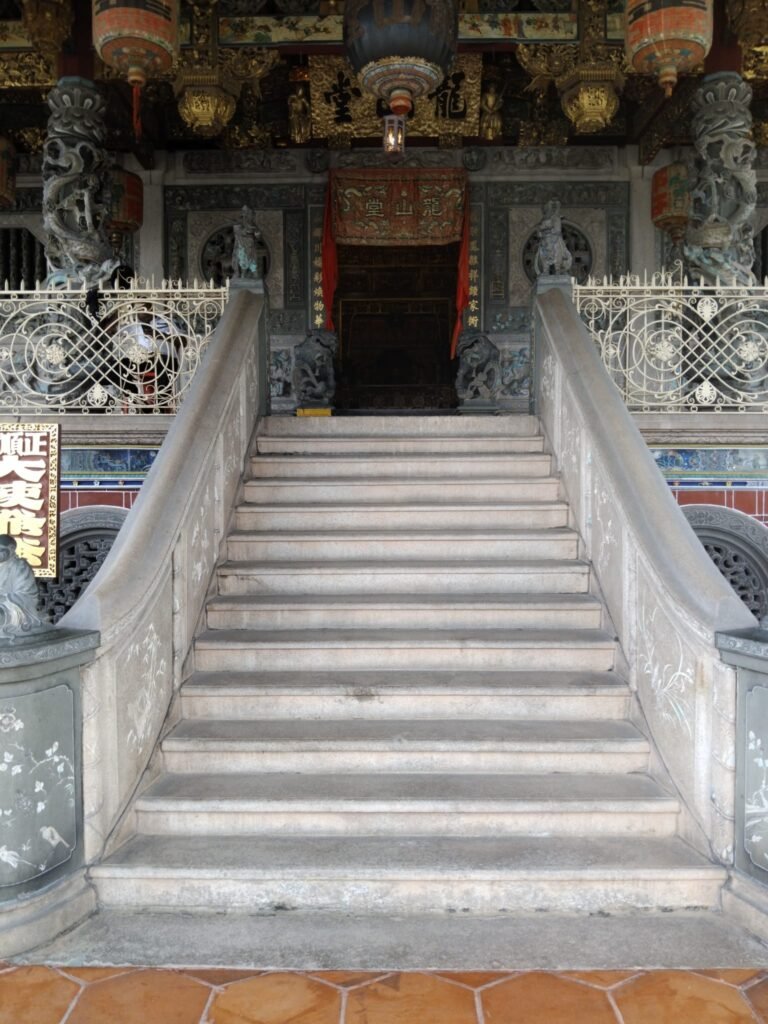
<point>395,307</point>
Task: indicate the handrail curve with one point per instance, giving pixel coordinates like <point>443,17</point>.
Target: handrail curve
<point>148,596</point>
<point>665,598</point>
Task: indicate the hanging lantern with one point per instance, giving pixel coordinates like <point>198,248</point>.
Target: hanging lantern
<point>400,51</point>
<point>671,200</point>
<point>394,135</point>
<point>138,38</point>
<point>126,210</point>
<point>7,173</point>
<point>667,39</point>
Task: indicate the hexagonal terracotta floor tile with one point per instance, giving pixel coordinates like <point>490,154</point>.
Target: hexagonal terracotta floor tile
<point>401,998</point>
<point>277,999</point>
<point>35,995</point>
<point>145,995</point>
<point>539,998</point>
<point>678,997</point>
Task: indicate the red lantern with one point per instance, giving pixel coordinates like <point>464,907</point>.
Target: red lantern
<point>126,213</point>
<point>138,38</point>
<point>665,39</point>
<point>7,173</point>
<point>671,200</point>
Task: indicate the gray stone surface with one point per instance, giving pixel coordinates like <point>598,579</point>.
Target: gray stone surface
<point>443,942</point>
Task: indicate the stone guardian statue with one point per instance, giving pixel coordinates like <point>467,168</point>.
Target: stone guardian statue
<point>552,256</point>
<point>314,380</point>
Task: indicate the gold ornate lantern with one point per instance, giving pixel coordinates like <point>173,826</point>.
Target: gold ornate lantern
<point>205,103</point>
<point>7,173</point>
<point>589,95</point>
<point>666,39</point>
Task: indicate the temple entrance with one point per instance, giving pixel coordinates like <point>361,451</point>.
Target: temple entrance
<point>394,311</point>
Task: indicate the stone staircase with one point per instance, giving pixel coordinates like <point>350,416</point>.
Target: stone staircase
<point>405,698</point>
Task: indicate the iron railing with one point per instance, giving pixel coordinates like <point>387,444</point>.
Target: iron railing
<point>674,347</point>
<point>127,350</point>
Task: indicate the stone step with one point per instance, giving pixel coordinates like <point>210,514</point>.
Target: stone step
<point>404,611</point>
<point>448,426</point>
<point>428,745</point>
<point>404,650</point>
<point>352,804</point>
<point>408,874</point>
<point>312,696</point>
<point>424,545</point>
<point>435,464</point>
<point>338,940</point>
<point>343,490</point>
<point>481,576</point>
<point>301,444</point>
<point>408,516</point>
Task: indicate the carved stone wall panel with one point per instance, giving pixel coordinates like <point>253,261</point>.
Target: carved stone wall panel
<point>200,226</point>
<point>181,201</point>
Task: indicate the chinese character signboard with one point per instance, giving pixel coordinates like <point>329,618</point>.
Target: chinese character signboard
<point>403,206</point>
<point>29,480</point>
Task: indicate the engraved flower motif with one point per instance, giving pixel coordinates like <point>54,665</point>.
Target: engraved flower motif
<point>706,393</point>
<point>9,722</point>
<point>97,395</point>
<point>706,307</point>
<point>748,351</point>
<point>664,351</point>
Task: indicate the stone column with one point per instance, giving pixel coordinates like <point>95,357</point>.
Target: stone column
<point>76,186</point>
<point>719,242</point>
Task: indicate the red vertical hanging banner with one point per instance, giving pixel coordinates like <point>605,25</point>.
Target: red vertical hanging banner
<point>329,256</point>
<point>462,278</point>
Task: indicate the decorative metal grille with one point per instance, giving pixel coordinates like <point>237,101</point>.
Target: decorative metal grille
<point>114,351</point>
<point>671,347</point>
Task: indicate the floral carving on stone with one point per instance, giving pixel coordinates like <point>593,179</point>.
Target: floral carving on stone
<point>671,679</point>
<point>38,830</point>
<point>148,662</point>
<point>548,376</point>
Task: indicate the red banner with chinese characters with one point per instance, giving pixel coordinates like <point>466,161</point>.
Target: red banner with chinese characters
<point>29,491</point>
<point>398,206</point>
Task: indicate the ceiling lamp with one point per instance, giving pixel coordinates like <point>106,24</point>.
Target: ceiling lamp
<point>400,51</point>
<point>7,173</point>
<point>589,95</point>
<point>138,38</point>
<point>667,39</point>
<point>394,135</point>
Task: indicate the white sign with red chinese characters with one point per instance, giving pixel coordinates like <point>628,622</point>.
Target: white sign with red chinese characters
<point>29,491</point>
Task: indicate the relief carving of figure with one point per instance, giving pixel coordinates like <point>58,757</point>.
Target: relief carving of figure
<point>18,593</point>
<point>552,255</point>
<point>479,376</point>
<point>314,380</point>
